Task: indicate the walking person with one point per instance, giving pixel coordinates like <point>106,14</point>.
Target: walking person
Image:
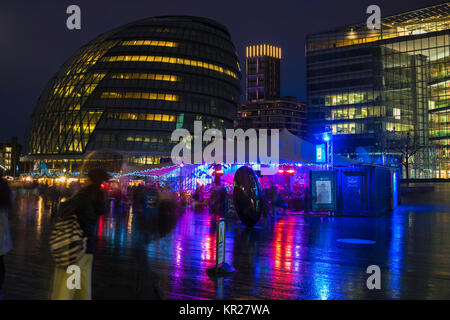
<point>5,237</point>
<point>88,204</point>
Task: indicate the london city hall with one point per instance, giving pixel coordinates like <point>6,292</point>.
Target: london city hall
<point>129,88</point>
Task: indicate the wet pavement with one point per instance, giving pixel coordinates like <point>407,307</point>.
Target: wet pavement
<point>291,257</point>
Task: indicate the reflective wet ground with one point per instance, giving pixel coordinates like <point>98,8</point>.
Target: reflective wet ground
<point>291,257</point>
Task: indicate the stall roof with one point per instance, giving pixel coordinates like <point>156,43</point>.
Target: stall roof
<point>159,172</point>
<point>344,161</point>
<point>297,150</point>
<point>292,149</point>
<point>155,171</point>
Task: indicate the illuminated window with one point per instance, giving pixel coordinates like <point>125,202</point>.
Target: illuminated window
<point>172,60</point>
<point>139,95</point>
<point>397,113</point>
<point>150,43</point>
<point>137,116</point>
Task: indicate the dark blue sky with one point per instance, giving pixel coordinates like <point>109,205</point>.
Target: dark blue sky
<point>35,41</point>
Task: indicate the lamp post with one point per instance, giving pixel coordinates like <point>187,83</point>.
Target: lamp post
<point>328,138</point>
<point>181,176</point>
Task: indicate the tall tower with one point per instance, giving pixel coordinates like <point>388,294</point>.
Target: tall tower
<point>264,108</point>
<point>262,72</point>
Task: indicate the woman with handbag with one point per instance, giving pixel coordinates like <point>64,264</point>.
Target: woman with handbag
<point>5,237</point>
<point>88,204</point>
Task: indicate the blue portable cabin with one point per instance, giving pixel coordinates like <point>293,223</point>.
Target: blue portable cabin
<point>366,190</point>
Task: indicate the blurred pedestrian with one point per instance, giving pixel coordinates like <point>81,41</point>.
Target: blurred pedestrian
<point>152,225</point>
<point>5,237</point>
<point>88,204</point>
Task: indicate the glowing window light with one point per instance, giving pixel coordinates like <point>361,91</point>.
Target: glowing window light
<point>139,95</point>
<point>146,76</point>
<point>149,43</point>
<point>172,60</point>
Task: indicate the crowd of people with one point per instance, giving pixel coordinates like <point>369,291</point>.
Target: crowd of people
<point>87,202</point>
<point>91,200</point>
<point>279,198</point>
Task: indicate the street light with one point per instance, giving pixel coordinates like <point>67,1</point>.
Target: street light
<point>328,139</point>
<point>181,179</point>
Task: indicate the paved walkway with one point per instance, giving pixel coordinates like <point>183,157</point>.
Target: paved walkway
<point>293,257</point>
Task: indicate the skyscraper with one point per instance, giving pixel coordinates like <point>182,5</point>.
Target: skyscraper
<point>385,93</point>
<point>262,72</point>
<point>264,108</point>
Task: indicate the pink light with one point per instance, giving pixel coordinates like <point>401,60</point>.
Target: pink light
<point>290,171</point>
<point>280,171</point>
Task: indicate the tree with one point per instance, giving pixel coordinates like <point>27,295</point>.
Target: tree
<point>406,147</point>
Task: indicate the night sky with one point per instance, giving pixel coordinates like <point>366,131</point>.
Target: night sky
<point>35,41</point>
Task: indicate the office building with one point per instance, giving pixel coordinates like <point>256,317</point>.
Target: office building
<point>385,93</point>
<point>279,113</point>
<point>262,72</point>
<point>264,108</point>
<point>10,157</point>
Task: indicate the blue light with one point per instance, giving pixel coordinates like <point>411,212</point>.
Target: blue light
<point>320,153</point>
<point>326,138</point>
<point>394,189</point>
<point>356,241</point>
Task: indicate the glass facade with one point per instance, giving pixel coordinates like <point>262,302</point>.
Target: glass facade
<point>129,88</point>
<point>385,93</point>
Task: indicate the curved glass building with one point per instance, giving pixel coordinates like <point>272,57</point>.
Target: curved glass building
<point>129,88</point>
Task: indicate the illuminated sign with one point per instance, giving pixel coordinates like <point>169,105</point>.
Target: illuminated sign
<point>321,153</point>
<point>323,190</point>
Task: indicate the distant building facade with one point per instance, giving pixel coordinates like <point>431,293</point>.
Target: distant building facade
<point>385,94</point>
<point>10,157</point>
<point>264,108</point>
<point>279,113</point>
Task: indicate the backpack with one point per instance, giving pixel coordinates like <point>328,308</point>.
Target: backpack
<point>67,240</point>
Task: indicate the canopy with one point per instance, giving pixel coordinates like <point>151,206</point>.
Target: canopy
<point>159,171</point>
<point>292,149</point>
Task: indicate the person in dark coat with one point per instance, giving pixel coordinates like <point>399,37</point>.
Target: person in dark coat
<point>88,204</point>
<point>5,237</point>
